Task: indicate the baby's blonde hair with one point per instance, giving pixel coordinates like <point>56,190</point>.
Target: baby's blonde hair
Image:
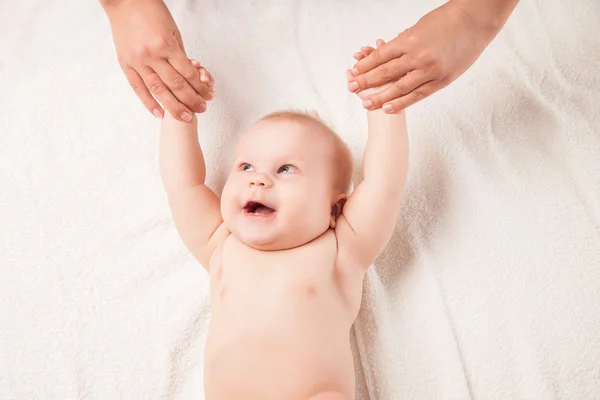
<point>343,159</point>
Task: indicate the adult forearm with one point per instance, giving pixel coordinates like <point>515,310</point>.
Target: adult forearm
<point>490,14</point>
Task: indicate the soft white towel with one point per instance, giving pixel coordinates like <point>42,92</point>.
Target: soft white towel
<point>488,290</point>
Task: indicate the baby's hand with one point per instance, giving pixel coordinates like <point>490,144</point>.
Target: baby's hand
<point>206,78</point>
<point>364,52</point>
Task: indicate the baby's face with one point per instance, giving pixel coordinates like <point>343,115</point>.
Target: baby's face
<point>280,192</point>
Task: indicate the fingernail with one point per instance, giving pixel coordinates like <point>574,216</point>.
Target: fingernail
<point>157,113</point>
<point>203,77</point>
<point>355,71</point>
<point>209,95</point>
<point>186,116</point>
<point>367,104</point>
<point>387,107</point>
<point>353,86</point>
<point>202,107</point>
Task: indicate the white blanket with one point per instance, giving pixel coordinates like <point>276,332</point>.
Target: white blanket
<point>488,290</point>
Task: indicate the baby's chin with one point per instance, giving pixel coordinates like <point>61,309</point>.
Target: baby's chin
<point>278,243</point>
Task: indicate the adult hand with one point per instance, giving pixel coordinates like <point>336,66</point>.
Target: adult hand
<point>364,52</point>
<point>152,56</point>
<point>439,48</point>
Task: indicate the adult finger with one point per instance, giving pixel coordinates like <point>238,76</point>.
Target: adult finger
<point>418,94</point>
<point>390,71</point>
<point>381,55</point>
<point>139,87</point>
<point>183,66</point>
<point>178,85</point>
<point>160,91</point>
<point>400,88</point>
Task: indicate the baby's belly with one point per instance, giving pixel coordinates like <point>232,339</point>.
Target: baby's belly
<point>289,349</point>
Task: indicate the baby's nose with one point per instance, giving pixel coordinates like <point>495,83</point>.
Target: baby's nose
<point>260,180</point>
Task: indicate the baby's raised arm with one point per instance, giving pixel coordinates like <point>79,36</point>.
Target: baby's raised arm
<point>195,207</point>
<point>369,216</point>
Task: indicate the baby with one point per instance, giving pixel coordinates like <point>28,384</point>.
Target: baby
<point>286,248</point>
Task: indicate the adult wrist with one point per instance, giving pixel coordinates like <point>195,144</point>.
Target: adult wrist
<point>489,15</point>
<point>110,3</point>
<point>112,6</point>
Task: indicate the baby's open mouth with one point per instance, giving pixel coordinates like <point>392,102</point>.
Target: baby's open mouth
<point>256,208</point>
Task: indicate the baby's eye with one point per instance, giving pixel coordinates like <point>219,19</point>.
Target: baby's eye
<point>246,167</point>
<point>286,169</point>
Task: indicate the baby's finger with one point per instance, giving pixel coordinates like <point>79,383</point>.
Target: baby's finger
<point>205,76</point>
<point>359,56</point>
<point>181,74</point>
<point>366,50</point>
<point>207,79</point>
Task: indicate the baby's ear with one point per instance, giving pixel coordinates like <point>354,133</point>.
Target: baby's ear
<point>336,208</point>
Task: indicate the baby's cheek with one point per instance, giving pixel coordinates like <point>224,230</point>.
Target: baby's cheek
<point>229,199</point>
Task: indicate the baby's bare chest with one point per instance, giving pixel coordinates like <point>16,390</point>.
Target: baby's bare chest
<point>304,278</point>
<point>303,270</point>
<point>282,314</point>
<point>271,295</point>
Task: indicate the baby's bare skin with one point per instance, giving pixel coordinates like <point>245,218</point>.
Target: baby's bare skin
<point>281,321</point>
<point>285,252</point>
